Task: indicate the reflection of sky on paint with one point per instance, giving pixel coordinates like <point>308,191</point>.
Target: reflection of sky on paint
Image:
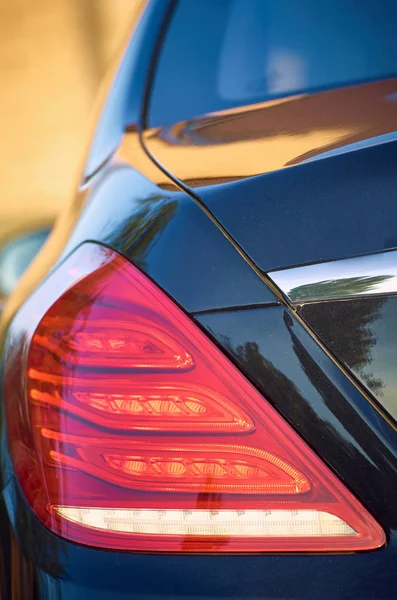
<point>375,265</point>
<point>383,364</point>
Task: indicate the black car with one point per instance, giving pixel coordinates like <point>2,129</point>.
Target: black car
<point>199,369</point>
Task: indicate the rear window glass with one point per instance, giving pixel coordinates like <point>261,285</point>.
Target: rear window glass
<point>219,54</point>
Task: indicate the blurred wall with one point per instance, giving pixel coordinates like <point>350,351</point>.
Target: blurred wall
<point>53,57</point>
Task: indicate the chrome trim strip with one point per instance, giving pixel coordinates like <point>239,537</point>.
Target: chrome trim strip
<point>368,275</point>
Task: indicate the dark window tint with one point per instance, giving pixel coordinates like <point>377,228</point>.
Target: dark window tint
<point>218,54</point>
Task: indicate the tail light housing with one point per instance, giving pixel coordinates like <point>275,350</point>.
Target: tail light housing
<point>130,429</point>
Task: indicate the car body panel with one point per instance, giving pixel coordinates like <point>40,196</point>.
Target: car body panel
<point>324,210</point>
<point>328,209</point>
<point>362,335</point>
<point>351,305</point>
<point>135,207</point>
<point>168,237</point>
<point>261,138</point>
<point>338,196</point>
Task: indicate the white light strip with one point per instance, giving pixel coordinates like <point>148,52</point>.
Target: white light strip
<point>251,523</point>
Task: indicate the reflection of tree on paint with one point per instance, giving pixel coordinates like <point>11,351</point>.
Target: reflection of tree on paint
<point>208,500</point>
<point>281,390</point>
<point>341,288</point>
<point>269,379</point>
<point>346,328</point>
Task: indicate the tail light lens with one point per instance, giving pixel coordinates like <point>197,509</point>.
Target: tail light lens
<point>130,429</point>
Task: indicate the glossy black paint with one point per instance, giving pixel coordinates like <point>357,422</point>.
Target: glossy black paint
<point>323,210</point>
<point>362,334</point>
<point>167,236</point>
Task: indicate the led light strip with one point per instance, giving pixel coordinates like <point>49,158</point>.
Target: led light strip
<point>247,523</point>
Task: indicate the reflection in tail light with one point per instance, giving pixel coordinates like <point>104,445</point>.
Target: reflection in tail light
<point>130,429</point>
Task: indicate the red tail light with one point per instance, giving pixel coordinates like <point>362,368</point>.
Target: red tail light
<point>129,429</point>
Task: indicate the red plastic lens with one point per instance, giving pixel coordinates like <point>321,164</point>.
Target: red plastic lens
<point>154,407</point>
<point>130,429</point>
<point>153,466</point>
<point>141,344</point>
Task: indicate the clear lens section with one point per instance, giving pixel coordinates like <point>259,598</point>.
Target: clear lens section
<point>252,523</point>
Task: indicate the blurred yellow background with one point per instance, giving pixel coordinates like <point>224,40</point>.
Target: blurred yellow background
<point>53,57</point>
